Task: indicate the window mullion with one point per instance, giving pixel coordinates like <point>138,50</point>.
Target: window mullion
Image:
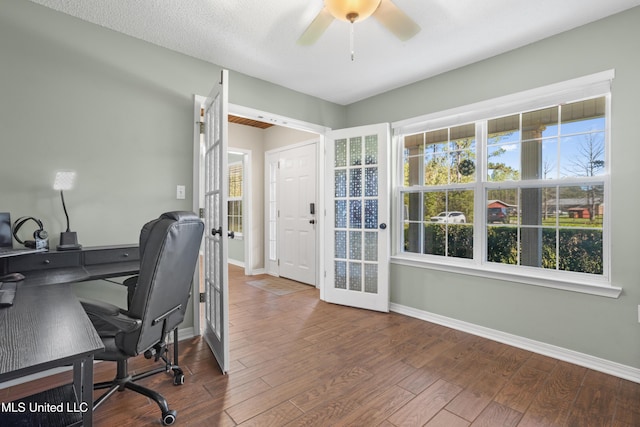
<point>480,195</point>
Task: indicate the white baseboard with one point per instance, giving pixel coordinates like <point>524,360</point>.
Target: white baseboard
<point>597,364</point>
<point>183,334</point>
<point>235,262</point>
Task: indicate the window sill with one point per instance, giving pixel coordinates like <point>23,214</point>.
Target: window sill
<point>472,270</point>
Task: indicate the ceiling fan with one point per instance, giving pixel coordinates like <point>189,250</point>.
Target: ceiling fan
<point>385,11</point>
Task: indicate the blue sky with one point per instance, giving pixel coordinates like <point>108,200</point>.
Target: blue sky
<point>569,140</point>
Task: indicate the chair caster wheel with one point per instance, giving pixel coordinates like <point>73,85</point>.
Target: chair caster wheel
<point>169,417</point>
<point>178,379</point>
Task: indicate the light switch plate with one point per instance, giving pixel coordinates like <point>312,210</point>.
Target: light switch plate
<point>180,192</point>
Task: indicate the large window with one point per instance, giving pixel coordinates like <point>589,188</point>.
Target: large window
<point>522,193</point>
<point>439,183</point>
<point>545,172</point>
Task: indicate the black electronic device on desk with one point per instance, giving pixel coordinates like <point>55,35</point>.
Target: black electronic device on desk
<point>39,243</point>
<point>8,287</point>
<point>7,293</point>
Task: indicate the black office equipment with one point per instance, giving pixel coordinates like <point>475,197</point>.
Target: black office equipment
<point>6,239</point>
<point>169,248</point>
<point>7,293</point>
<point>5,230</point>
<point>12,277</point>
<point>40,235</point>
<point>68,239</point>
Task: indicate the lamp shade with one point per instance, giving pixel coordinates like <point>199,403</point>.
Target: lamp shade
<point>351,10</point>
<point>64,180</point>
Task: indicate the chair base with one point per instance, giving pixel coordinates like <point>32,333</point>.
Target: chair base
<point>168,415</point>
<point>124,380</point>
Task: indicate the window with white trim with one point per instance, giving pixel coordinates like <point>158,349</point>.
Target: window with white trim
<point>522,192</point>
<point>234,202</point>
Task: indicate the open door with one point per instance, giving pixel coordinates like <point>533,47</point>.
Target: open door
<point>216,331</point>
<point>357,217</point>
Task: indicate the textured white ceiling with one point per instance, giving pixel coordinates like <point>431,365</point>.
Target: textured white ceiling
<point>258,37</point>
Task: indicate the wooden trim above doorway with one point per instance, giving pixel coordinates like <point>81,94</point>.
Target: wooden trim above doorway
<point>248,122</point>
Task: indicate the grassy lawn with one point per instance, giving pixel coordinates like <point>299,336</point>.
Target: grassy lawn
<point>565,221</point>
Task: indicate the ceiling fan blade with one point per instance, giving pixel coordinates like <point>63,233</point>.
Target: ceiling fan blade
<point>396,21</point>
<point>316,28</point>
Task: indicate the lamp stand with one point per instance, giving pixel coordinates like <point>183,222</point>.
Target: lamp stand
<point>68,239</point>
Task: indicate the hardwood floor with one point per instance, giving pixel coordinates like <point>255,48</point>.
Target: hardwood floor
<point>297,361</point>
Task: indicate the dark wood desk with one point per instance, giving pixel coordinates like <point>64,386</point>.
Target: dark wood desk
<point>90,263</point>
<point>47,327</point>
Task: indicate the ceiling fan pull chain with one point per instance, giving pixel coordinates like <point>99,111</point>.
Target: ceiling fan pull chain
<point>351,36</point>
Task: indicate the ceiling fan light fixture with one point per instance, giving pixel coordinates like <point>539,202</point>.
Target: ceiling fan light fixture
<point>351,10</point>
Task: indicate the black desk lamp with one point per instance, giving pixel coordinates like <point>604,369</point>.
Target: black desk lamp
<point>68,239</point>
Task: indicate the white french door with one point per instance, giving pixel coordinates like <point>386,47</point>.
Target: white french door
<point>216,331</point>
<point>297,214</point>
<point>357,217</point>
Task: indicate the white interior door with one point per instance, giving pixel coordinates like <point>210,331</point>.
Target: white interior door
<point>357,217</point>
<point>216,331</point>
<point>297,206</point>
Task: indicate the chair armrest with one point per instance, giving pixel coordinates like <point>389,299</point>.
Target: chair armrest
<point>99,308</point>
<point>131,284</point>
<point>129,281</point>
<point>111,314</point>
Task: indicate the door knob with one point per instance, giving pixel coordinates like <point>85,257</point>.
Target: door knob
<point>218,231</point>
<point>312,221</point>
<point>383,226</point>
<point>231,234</point>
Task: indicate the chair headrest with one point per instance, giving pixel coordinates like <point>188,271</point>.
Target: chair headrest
<point>180,216</point>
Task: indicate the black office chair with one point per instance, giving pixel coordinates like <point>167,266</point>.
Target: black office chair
<point>169,248</point>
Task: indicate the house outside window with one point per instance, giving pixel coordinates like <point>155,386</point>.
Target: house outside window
<point>522,192</point>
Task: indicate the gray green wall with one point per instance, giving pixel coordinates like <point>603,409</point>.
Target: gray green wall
<point>598,326</point>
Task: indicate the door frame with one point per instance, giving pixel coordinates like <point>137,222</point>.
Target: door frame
<point>274,269</point>
<point>247,206</point>
<point>278,120</point>
<point>197,203</point>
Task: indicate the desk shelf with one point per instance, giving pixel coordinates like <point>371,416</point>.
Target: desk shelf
<point>25,411</point>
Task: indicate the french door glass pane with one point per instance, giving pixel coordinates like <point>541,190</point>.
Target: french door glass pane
<point>355,276</point>
<point>341,183</point>
<point>371,278</point>
<point>356,180</point>
<point>341,153</point>
<point>341,244</point>
<point>355,151</point>
<point>370,246</point>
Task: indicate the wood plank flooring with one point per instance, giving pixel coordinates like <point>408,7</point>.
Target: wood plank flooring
<point>297,361</point>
